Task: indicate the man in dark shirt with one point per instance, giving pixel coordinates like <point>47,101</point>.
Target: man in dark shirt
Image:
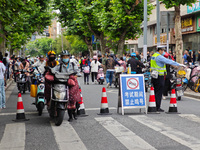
<point>134,63</point>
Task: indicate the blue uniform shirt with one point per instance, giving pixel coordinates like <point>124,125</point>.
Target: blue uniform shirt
<point>161,61</point>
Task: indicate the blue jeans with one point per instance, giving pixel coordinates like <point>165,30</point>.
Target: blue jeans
<point>109,76</point>
<point>2,94</point>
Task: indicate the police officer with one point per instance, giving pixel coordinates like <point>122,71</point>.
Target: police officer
<point>134,64</point>
<point>158,70</point>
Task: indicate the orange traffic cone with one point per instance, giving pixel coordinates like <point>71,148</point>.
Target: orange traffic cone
<point>81,109</point>
<point>20,116</point>
<point>173,104</point>
<point>152,102</point>
<point>104,103</point>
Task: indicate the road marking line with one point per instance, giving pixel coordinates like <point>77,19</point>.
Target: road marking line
<point>191,98</point>
<point>45,111</point>
<point>66,137</point>
<point>99,108</point>
<point>174,134</point>
<point>129,139</point>
<point>13,137</point>
<point>191,117</point>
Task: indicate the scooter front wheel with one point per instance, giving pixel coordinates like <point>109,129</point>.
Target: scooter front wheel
<point>60,116</point>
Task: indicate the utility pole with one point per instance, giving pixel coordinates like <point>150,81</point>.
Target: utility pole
<point>145,31</point>
<point>167,32</point>
<point>158,21</point>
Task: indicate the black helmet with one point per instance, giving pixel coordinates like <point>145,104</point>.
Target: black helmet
<point>65,52</point>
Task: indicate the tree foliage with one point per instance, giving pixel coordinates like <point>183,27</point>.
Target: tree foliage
<point>21,18</point>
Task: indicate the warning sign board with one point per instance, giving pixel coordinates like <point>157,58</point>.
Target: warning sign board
<point>132,87</point>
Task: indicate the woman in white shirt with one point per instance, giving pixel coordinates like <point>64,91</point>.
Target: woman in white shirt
<point>2,88</point>
<point>94,68</point>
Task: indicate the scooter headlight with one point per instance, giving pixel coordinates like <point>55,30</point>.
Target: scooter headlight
<point>60,95</point>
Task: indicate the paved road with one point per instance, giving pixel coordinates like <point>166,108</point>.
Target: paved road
<point>134,130</point>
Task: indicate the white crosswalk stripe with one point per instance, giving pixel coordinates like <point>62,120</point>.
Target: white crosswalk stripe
<point>191,117</point>
<point>66,137</point>
<point>129,139</point>
<point>174,134</point>
<point>13,137</point>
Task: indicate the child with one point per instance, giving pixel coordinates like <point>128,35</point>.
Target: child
<point>2,88</point>
<point>86,72</point>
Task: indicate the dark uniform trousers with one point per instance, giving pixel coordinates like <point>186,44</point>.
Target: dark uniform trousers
<point>158,85</point>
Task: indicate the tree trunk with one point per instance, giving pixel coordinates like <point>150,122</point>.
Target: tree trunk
<point>102,43</point>
<point>120,48</point>
<point>88,41</point>
<point>178,35</point>
<point>11,51</point>
<point>2,39</point>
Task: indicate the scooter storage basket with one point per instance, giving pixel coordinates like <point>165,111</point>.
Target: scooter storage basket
<point>33,90</point>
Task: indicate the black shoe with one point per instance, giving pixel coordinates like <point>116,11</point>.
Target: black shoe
<point>70,119</point>
<point>87,83</point>
<point>160,110</point>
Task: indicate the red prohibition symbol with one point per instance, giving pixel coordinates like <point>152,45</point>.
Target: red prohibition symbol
<point>132,83</point>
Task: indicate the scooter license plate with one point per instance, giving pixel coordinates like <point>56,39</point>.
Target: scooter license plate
<point>179,93</point>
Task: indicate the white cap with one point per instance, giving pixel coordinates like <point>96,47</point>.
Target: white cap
<point>72,56</point>
<point>161,46</point>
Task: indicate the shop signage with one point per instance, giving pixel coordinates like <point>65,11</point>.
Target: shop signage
<point>198,23</point>
<point>187,24</point>
<point>163,39</point>
<point>194,7</point>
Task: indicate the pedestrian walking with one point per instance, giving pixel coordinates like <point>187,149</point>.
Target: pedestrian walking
<point>158,70</point>
<point>2,87</point>
<point>86,72</point>
<point>94,69</point>
<point>110,69</point>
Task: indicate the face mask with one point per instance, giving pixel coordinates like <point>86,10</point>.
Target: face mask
<point>65,60</point>
<point>52,58</point>
<point>163,53</point>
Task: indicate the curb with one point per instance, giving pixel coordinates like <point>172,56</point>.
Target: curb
<point>193,95</point>
<point>8,85</point>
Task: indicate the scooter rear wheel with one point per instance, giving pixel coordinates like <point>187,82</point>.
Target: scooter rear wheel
<point>60,116</point>
<point>40,108</point>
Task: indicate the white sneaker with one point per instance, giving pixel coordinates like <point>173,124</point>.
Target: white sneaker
<point>164,98</point>
<point>108,85</point>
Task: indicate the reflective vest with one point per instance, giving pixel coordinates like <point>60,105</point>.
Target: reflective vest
<point>161,70</point>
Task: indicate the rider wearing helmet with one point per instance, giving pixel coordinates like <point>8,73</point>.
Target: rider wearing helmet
<point>134,63</point>
<point>51,62</point>
<point>66,66</point>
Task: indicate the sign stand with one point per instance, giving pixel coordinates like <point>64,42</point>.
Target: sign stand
<point>131,92</point>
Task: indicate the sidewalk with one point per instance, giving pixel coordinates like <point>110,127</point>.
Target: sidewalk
<point>9,82</point>
<point>191,93</point>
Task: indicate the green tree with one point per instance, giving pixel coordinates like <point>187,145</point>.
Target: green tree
<point>178,34</point>
<point>77,44</point>
<point>20,19</point>
<point>57,45</point>
<point>121,20</point>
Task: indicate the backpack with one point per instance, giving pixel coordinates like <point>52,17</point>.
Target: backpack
<point>86,69</point>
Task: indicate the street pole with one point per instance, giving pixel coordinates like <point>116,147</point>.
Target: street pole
<point>158,22</point>
<point>62,38</point>
<point>167,32</point>
<point>145,31</point>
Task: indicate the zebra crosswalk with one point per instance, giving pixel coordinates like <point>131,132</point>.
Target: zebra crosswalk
<point>67,136</point>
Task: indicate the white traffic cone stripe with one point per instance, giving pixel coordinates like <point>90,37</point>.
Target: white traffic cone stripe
<point>19,99</point>
<point>20,111</point>
<point>104,94</point>
<point>172,105</point>
<point>173,95</point>
<point>152,104</point>
<point>82,106</point>
<point>104,105</point>
<point>152,92</point>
